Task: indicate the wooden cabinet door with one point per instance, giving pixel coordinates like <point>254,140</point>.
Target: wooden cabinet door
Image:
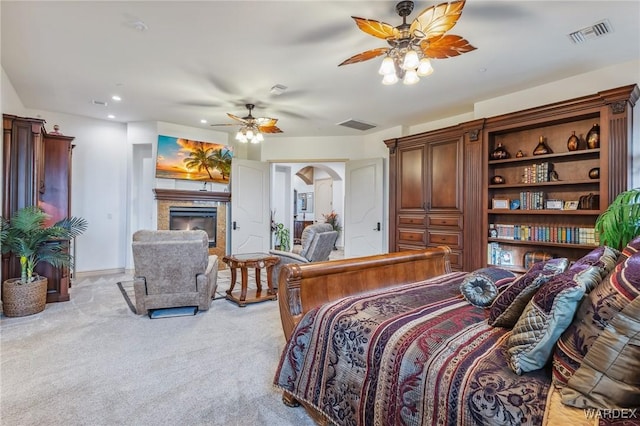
<point>444,176</point>
<point>411,177</point>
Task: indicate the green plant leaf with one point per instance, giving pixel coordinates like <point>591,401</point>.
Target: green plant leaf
<point>620,222</point>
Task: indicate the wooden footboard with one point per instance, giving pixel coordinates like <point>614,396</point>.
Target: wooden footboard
<point>302,287</point>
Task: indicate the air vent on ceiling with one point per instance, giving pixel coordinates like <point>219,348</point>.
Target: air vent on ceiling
<point>596,30</point>
<point>357,124</point>
<point>101,103</point>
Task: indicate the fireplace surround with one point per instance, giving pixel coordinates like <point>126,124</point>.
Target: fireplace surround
<point>168,198</point>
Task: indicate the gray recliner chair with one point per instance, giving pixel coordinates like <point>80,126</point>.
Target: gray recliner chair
<point>173,269</point>
<point>317,242</point>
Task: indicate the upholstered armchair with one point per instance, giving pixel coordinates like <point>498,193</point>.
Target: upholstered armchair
<point>173,269</point>
<point>317,241</point>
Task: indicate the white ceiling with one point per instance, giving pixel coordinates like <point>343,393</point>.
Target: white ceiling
<point>199,60</point>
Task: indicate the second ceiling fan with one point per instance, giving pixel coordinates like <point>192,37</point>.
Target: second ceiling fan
<point>252,127</point>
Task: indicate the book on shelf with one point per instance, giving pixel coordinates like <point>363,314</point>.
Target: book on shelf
<point>532,200</point>
<point>550,234</point>
<point>537,173</point>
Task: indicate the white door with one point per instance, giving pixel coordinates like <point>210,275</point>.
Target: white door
<point>250,209</point>
<point>324,198</point>
<point>363,233</point>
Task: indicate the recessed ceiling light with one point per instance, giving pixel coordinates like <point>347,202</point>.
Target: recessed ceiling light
<point>139,25</point>
<point>111,116</point>
<point>116,98</point>
<point>203,121</point>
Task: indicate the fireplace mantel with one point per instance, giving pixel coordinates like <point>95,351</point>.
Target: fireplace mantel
<point>186,195</point>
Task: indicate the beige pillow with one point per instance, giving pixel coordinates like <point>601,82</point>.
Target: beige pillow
<point>609,376</point>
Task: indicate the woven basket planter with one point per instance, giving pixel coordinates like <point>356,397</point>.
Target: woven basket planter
<point>19,300</point>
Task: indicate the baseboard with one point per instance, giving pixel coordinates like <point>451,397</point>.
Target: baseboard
<point>86,274</point>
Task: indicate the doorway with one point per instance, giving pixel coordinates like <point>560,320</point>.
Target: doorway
<point>313,189</point>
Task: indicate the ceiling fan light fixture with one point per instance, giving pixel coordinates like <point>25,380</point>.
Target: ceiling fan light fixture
<point>390,79</point>
<point>387,66</point>
<point>411,60</point>
<point>425,68</point>
<point>410,77</point>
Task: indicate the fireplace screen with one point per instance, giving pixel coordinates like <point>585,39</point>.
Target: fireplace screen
<point>192,218</point>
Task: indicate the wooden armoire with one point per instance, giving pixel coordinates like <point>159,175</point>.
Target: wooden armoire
<point>36,169</point>
<point>434,178</point>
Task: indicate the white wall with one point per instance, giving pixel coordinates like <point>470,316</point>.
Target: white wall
<point>10,102</point>
<point>99,187</point>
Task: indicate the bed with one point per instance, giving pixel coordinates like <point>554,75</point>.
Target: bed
<point>389,339</point>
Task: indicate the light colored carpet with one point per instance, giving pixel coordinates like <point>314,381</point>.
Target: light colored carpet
<point>91,361</point>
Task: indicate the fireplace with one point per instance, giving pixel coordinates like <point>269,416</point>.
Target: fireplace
<point>185,199</point>
<point>192,218</point>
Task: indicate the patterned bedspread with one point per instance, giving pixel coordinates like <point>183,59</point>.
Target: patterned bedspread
<point>417,354</point>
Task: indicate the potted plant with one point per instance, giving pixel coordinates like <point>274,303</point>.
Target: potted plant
<point>283,237</point>
<point>620,222</point>
<point>332,219</point>
<point>27,236</point>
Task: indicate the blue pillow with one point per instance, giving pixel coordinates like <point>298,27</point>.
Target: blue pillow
<point>481,286</point>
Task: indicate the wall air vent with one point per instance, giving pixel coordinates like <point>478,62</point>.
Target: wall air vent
<point>357,124</point>
<point>596,30</point>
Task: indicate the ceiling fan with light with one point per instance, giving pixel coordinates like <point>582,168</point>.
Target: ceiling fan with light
<point>252,127</point>
<point>412,46</point>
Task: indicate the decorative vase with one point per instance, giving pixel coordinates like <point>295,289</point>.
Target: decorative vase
<point>594,173</point>
<point>542,148</point>
<point>500,153</point>
<point>573,142</point>
<point>496,180</point>
<point>593,137</point>
<point>19,300</point>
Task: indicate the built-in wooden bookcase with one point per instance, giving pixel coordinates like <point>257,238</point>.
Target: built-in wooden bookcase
<point>532,208</point>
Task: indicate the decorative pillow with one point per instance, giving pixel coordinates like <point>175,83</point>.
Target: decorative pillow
<point>609,376</point>
<point>632,248</point>
<point>603,257</point>
<point>481,286</point>
<point>546,316</point>
<point>508,306</point>
<point>604,302</point>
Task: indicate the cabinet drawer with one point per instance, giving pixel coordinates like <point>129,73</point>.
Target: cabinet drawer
<point>444,221</point>
<point>451,239</point>
<point>416,220</point>
<point>411,236</point>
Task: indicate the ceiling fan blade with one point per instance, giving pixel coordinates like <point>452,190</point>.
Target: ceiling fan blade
<point>445,47</point>
<point>376,28</point>
<point>365,56</point>
<point>266,121</point>
<point>235,117</point>
<point>436,20</point>
<point>225,124</point>
<point>269,129</point>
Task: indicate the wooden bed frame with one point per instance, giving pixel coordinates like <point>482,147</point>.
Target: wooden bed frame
<point>302,287</point>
